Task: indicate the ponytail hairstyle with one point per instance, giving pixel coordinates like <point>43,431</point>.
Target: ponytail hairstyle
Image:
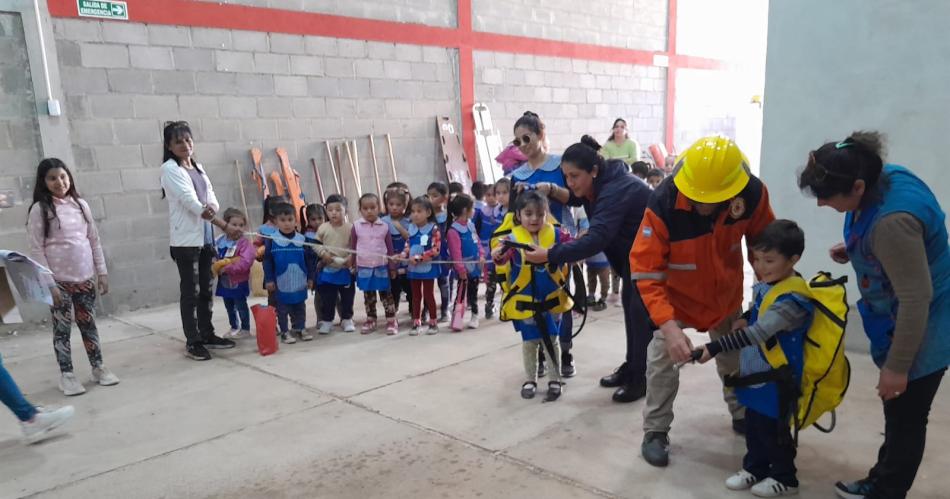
<point>424,202</point>
<point>457,205</point>
<point>269,203</point>
<point>43,196</point>
<point>531,198</point>
<point>626,135</point>
<point>584,155</point>
<point>833,168</point>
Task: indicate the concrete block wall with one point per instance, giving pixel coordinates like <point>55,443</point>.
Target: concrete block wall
<point>242,89</point>
<point>633,24</point>
<point>19,131</point>
<point>430,12</point>
<point>573,97</point>
<point>238,90</point>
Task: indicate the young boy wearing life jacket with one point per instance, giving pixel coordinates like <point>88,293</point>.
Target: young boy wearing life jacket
<point>768,467</point>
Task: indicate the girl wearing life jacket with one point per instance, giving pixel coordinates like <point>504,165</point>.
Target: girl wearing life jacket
<point>895,237</point>
<point>543,168</point>
<point>423,246</point>
<point>464,246</point>
<point>536,300</point>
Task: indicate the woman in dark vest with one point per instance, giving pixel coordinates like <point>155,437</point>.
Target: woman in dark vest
<point>895,237</point>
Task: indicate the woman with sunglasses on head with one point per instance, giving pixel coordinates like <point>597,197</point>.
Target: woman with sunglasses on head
<point>191,213</point>
<point>619,145</point>
<point>542,171</point>
<point>895,237</point>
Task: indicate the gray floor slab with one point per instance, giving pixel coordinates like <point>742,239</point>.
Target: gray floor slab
<point>164,402</point>
<point>335,450</point>
<point>372,416</point>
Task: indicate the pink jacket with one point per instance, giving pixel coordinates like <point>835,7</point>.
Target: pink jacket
<point>509,158</point>
<point>240,271</point>
<point>371,240</point>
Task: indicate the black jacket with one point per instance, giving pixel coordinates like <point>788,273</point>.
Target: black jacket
<point>619,201</point>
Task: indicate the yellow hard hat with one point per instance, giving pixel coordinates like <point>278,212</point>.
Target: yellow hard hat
<point>712,170</point>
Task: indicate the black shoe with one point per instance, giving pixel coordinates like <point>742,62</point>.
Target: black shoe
<point>631,392</point>
<point>528,390</point>
<point>554,391</point>
<point>614,379</point>
<point>656,448</point>
<point>599,305</point>
<point>197,352</point>
<point>738,426</point>
<point>567,365</point>
<point>854,490</point>
<point>219,343</point>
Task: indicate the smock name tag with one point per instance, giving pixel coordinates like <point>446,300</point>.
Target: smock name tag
<point>231,251</point>
<point>423,240</point>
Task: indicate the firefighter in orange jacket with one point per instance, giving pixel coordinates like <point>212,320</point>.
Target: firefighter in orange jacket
<point>687,263</point>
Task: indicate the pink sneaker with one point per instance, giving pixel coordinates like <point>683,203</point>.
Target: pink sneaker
<point>368,327</point>
<point>392,327</point>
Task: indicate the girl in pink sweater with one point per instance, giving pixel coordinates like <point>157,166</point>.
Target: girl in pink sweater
<point>64,239</point>
<point>233,268</point>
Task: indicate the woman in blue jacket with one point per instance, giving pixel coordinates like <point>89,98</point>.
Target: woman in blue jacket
<point>895,237</point>
<point>614,200</point>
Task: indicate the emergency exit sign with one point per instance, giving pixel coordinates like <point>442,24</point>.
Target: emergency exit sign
<point>104,9</point>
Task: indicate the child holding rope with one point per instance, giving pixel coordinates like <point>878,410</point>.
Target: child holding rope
<point>424,245</point>
<point>372,242</point>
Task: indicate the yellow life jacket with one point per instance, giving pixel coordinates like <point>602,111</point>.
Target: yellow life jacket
<point>503,230</point>
<point>517,301</point>
<point>825,370</point>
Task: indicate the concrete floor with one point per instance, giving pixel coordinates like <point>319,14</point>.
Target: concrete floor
<point>398,417</point>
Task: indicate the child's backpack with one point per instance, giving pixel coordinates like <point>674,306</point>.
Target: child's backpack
<point>826,371</point>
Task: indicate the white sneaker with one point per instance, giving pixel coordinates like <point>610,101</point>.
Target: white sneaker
<point>288,338</point>
<point>742,480</point>
<point>243,333</point>
<point>233,333</point>
<point>348,326</point>
<point>325,327</point>
<point>473,322</point>
<point>772,488</point>
<point>104,376</point>
<point>44,422</point>
<point>70,385</point>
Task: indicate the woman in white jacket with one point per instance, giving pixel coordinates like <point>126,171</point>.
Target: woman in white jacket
<point>191,212</point>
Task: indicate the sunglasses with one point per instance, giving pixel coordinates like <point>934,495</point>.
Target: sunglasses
<point>525,139</point>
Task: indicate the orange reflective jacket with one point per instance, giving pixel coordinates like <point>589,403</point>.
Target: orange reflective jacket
<point>688,267</point>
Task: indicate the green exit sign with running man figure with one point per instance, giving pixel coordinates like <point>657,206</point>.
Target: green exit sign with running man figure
<point>103,9</point>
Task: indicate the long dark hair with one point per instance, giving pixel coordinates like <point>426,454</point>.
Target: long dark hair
<point>456,206</point>
<point>626,135</point>
<point>174,130</point>
<point>424,202</point>
<point>43,196</point>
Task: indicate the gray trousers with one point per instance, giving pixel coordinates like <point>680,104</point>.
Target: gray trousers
<point>663,380</point>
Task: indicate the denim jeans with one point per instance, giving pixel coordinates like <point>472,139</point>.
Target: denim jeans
<point>12,397</point>
<point>239,316</point>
